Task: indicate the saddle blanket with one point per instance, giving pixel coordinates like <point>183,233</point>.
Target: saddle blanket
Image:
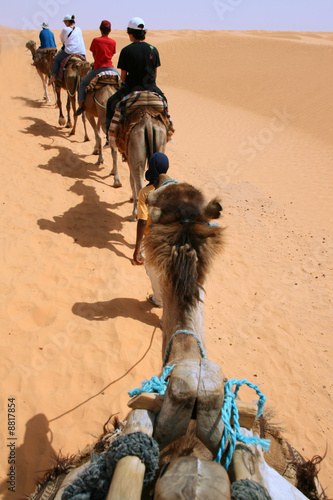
<point>134,100</point>
<point>113,79</point>
<point>64,62</point>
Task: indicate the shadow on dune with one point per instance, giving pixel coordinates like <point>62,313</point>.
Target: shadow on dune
<point>74,166</point>
<point>32,458</point>
<point>119,307</point>
<point>37,103</point>
<point>91,223</point>
<point>40,128</point>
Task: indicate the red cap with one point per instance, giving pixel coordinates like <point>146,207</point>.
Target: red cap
<point>105,24</point>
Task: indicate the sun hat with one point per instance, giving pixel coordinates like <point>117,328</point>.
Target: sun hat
<point>105,24</point>
<point>68,17</point>
<point>136,23</point>
<point>158,164</point>
<point>44,25</point>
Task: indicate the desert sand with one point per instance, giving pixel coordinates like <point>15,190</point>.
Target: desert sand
<point>253,119</point>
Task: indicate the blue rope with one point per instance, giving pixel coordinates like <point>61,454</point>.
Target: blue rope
<point>168,182</point>
<point>232,434</point>
<point>155,384</point>
<point>209,224</point>
<point>186,332</point>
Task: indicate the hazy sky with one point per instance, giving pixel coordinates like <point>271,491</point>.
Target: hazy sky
<point>289,15</point>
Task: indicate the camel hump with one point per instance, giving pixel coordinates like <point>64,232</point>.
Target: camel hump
<point>74,59</point>
<point>48,50</point>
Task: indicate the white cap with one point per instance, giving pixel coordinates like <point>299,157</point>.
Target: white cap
<point>44,25</point>
<point>68,17</point>
<point>135,22</point>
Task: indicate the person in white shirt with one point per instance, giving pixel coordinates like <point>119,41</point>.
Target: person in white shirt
<point>72,39</point>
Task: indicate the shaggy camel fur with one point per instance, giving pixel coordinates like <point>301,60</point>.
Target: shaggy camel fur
<point>182,245</point>
<point>43,60</point>
<point>70,83</point>
<point>95,107</point>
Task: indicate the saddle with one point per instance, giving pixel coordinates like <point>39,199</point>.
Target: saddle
<point>70,58</point>
<point>129,112</point>
<point>41,53</point>
<point>102,79</point>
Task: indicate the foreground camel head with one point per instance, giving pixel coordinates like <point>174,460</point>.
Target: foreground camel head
<point>183,241</point>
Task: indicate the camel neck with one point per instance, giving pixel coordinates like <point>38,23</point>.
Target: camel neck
<point>175,320</point>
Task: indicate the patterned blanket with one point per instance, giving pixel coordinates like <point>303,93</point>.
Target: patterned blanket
<point>129,112</point>
<point>64,62</point>
<point>108,77</point>
<point>133,101</point>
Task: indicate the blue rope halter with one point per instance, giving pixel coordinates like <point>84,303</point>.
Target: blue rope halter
<point>185,332</point>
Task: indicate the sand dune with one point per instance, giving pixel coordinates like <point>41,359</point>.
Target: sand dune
<point>253,119</point>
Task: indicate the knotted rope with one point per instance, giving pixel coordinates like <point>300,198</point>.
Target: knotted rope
<point>246,489</point>
<point>231,434</point>
<point>95,481</point>
<point>155,384</point>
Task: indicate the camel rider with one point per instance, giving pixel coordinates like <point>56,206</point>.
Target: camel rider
<point>47,41</point>
<point>138,63</point>
<point>158,165</point>
<point>72,39</point>
<point>103,49</point>
<point>46,38</point>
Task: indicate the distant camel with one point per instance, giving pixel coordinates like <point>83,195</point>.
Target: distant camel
<point>43,60</point>
<point>95,107</point>
<point>70,83</point>
<point>145,131</point>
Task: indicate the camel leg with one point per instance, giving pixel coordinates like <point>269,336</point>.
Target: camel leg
<point>46,94</point>
<point>116,181</point>
<point>98,141</point>
<point>134,198</point>
<point>61,120</point>
<point>69,121</point>
<point>137,155</point>
<point>54,93</point>
<point>86,137</point>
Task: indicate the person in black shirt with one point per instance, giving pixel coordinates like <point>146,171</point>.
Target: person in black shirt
<point>138,63</point>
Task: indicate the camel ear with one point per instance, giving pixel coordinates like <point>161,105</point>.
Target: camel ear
<point>155,214</point>
<point>213,209</point>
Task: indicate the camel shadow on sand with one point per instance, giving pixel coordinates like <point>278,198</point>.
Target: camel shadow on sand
<point>35,103</point>
<point>91,223</point>
<point>72,165</point>
<point>118,307</point>
<point>40,128</point>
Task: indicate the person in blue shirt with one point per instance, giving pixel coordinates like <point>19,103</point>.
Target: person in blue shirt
<point>46,38</point>
<point>47,41</point>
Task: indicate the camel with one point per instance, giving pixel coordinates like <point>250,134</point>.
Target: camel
<point>147,137</point>
<point>181,245</point>
<point>95,107</point>
<point>43,60</point>
<point>145,131</point>
<point>70,83</point>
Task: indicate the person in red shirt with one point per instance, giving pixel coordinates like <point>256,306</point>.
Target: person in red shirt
<point>103,49</point>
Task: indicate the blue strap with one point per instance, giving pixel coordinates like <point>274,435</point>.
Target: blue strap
<point>210,224</point>
<point>168,182</point>
<point>231,434</point>
<point>155,384</point>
